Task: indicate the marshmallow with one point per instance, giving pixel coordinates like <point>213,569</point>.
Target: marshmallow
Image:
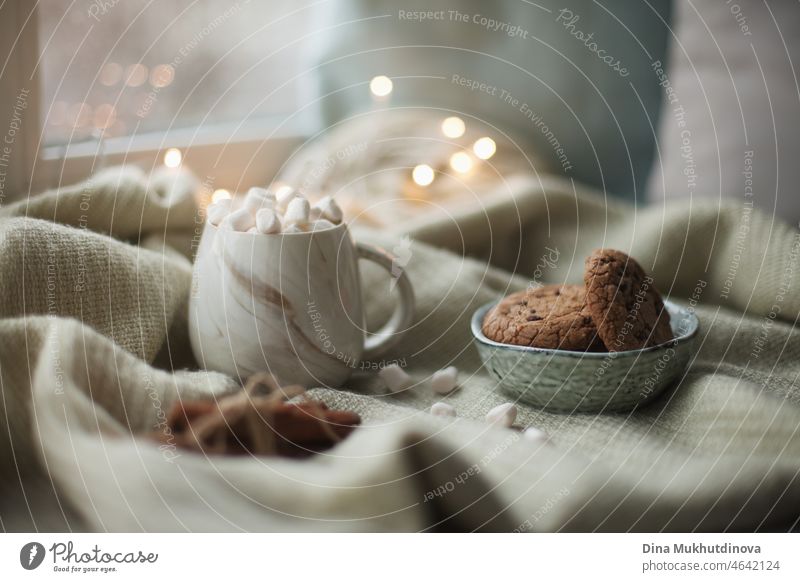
<point>534,434</point>
<point>503,415</point>
<point>218,211</point>
<point>329,210</point>
<point>239,220</point>
<point>297,213</point>
<point>259,198</point>
<point>267,221</point>
<point>284,197</point>
<point>442,409</point>
<point>444,381</point>
<point>395,378</point>
<point>315,213</point>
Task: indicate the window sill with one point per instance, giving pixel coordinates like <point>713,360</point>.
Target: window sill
<point>232,156</point>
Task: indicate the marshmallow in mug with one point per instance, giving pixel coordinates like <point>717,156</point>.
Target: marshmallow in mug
<point>217,211</point>
<point>284,197</point>
<point>240,220</point>
<point>268,221</point>
<point>265,213</point>
<point>329,210</point>
<point>297,212</point>
<point>258,198</point>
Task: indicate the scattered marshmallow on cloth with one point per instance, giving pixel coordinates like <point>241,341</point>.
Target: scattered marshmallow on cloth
<point>264,212</point>
<point>445,381</point>
<point>395,378</point>
<point>502,415</point>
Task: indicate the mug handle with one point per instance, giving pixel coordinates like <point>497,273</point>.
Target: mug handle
<point>378,343</point>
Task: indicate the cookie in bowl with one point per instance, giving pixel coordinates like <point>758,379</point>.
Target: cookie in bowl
<point>552,316</point>
<point>608,345</point>
<point>624,303</point>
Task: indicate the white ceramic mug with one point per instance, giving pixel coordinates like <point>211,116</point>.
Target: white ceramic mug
<point>289,304</point>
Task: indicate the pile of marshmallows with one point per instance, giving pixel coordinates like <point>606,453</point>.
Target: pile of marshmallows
<point>264,212</point>
<point>445,381</point>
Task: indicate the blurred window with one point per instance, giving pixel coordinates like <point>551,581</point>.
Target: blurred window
<point>117,68</point>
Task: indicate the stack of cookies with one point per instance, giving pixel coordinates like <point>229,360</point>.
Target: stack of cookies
<point>616,309</point>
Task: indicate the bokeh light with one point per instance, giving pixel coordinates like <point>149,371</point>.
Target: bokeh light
<point>104,116</point>
<point>461,162</point>
<point>111,74</point>
<point>423,174</point>
<point>162,75</point>
<point>484,148</point>
<point>221,194</point>
<point>173,158</point>
<point>79,115</point>
<point>135,75</point>
<point>453,127</point>
<point>381,86</point>
<point>281,189</point>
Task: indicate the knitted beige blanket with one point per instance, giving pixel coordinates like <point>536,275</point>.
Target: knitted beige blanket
<point>94,350</point>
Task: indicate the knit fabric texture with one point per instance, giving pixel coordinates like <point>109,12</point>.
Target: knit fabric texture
<point>94,351</point>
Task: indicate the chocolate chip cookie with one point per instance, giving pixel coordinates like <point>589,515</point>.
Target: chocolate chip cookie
<point>624,304</point>
<point>552,316</point>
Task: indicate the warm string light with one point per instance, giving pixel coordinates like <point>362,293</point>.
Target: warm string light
<point>162,75</point>
<point>80,114</point>
<point>104,116</point>
<point>381,86</point>
<point>111,74</point>
<point>221,194</point>
<point>173,158</point>
<point>423,175</point>
<point>484,148</point>
<point>135,75</point>
<point>453,127</point>
<point>282,189</point>
<point>461,162</point>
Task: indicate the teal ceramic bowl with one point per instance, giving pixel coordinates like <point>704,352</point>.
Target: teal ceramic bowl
<point>566,381</point>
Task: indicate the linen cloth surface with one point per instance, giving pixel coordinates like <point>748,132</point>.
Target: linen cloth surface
<point>94,351</point>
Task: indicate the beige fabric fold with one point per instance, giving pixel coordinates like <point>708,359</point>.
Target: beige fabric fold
<point>94,349</point>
